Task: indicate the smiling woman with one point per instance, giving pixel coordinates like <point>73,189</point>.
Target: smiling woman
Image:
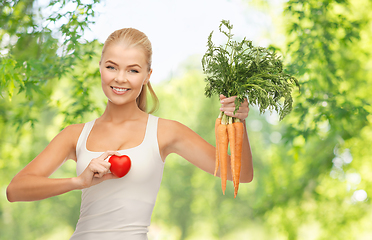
<point>138,60</point>
<point>124,128</point>
<point>123,71</point>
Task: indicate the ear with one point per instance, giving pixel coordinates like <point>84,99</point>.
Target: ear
<point>99,66</point>
<point>148,77</point>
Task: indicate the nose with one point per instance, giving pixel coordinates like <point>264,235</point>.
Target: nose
<point>121,77</point>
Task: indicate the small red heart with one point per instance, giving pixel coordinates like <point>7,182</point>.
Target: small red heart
<point>120,165</point>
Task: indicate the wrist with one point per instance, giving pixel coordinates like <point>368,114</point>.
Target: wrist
<point>242,120</point>
<point>77,183</point>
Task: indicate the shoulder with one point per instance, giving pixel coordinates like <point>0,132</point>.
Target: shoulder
<point>73,130</point>
<point>171,127</point>
<point>162,122</point>
<point>168,132</point>
<point>172,135</point>
<point>69,135</point>
<point>68,138</point>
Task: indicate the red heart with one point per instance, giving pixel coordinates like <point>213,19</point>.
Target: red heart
<point>120,165</point>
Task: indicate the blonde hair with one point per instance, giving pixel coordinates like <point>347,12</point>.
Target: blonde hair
<point>134,38</point>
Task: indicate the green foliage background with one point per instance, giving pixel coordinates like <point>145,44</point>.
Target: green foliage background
<point>310,169</point>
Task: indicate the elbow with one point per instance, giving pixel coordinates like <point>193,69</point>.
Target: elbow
<point>9,194</point>
<point>247,178</point>
<point>12,192</point>
<point>250,178</point>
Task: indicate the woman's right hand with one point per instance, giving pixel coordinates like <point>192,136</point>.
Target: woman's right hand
<point>97,171</point>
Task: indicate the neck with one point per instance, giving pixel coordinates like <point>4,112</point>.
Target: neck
<point>120,113</point>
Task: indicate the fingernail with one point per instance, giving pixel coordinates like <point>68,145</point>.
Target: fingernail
<point>222,101</point>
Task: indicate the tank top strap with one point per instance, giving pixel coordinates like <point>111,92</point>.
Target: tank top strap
<point>152,127</point>
<point>151,137</point>
<point>84,135</point>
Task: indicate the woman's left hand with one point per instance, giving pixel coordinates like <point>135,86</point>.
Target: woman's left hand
<point>228,107</point>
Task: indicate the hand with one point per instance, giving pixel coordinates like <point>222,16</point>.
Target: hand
<point>228,107</point>
<point>97,170</point>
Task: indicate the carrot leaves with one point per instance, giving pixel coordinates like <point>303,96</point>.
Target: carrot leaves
<point>243,70</point>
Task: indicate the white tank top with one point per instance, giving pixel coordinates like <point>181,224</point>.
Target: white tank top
<point>120,208</point>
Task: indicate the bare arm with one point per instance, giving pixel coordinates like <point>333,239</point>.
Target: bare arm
<point>179,139</point>
<point>33,183</point>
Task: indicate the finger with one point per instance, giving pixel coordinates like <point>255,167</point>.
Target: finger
<point>228,100</point>
<point>227,109</point>
<point>100,173</point>
<point>115,153</point>
<point>109,154</point>
<point>241,109</point>
<point>228,105</point>
<point>100,161</point>
<point>231,104</point>
<point>222,96</point>
<point>108,176</point>
<point>241,113</point>
<point>245,103</point>
<point>105,164</point>
<point>99,167</point>
<point>241,116</point>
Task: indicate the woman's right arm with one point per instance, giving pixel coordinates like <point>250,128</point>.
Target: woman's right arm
<point>33,183</point>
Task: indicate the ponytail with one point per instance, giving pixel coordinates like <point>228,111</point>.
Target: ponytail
<point>142,99</point>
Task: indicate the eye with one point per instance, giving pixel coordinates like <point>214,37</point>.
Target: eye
<point>110,67</point>
<point>134,71</point>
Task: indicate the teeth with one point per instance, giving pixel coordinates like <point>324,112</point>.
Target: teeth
<point>120,89</point>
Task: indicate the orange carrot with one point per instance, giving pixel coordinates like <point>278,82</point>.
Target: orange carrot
<point>239,134</point>
<point>223,143</point>
<point>218,122</point>
<point>231,135</point>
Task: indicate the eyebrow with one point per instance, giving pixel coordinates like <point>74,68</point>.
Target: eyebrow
<point>135,65</point>
<point>132,65</point>
<point>109,61</point>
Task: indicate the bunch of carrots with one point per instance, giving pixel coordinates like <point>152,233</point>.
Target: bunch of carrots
<point>237,68</point>
<point>228,130</point>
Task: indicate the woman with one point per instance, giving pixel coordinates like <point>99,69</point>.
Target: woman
<point>111,207</point>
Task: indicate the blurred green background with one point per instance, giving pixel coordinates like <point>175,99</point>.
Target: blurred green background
<point>312,170</point>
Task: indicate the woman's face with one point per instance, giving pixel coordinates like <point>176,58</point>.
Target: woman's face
<point>124,71</point>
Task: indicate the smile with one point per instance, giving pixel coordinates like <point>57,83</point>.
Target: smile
<point>120,90</point>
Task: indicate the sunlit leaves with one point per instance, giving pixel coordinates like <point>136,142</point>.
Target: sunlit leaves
<point>35,60</point>
<point>327,50</point>
<point>322,36</point>
<point>9,77</point>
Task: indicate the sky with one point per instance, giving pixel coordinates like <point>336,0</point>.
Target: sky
<point>179,29</point>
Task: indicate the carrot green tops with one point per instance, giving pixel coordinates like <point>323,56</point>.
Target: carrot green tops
<point>243,70</point>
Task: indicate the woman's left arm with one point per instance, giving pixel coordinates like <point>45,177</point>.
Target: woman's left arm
<point>177,138</point>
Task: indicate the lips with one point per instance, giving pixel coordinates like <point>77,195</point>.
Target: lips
<point>119,90</point>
